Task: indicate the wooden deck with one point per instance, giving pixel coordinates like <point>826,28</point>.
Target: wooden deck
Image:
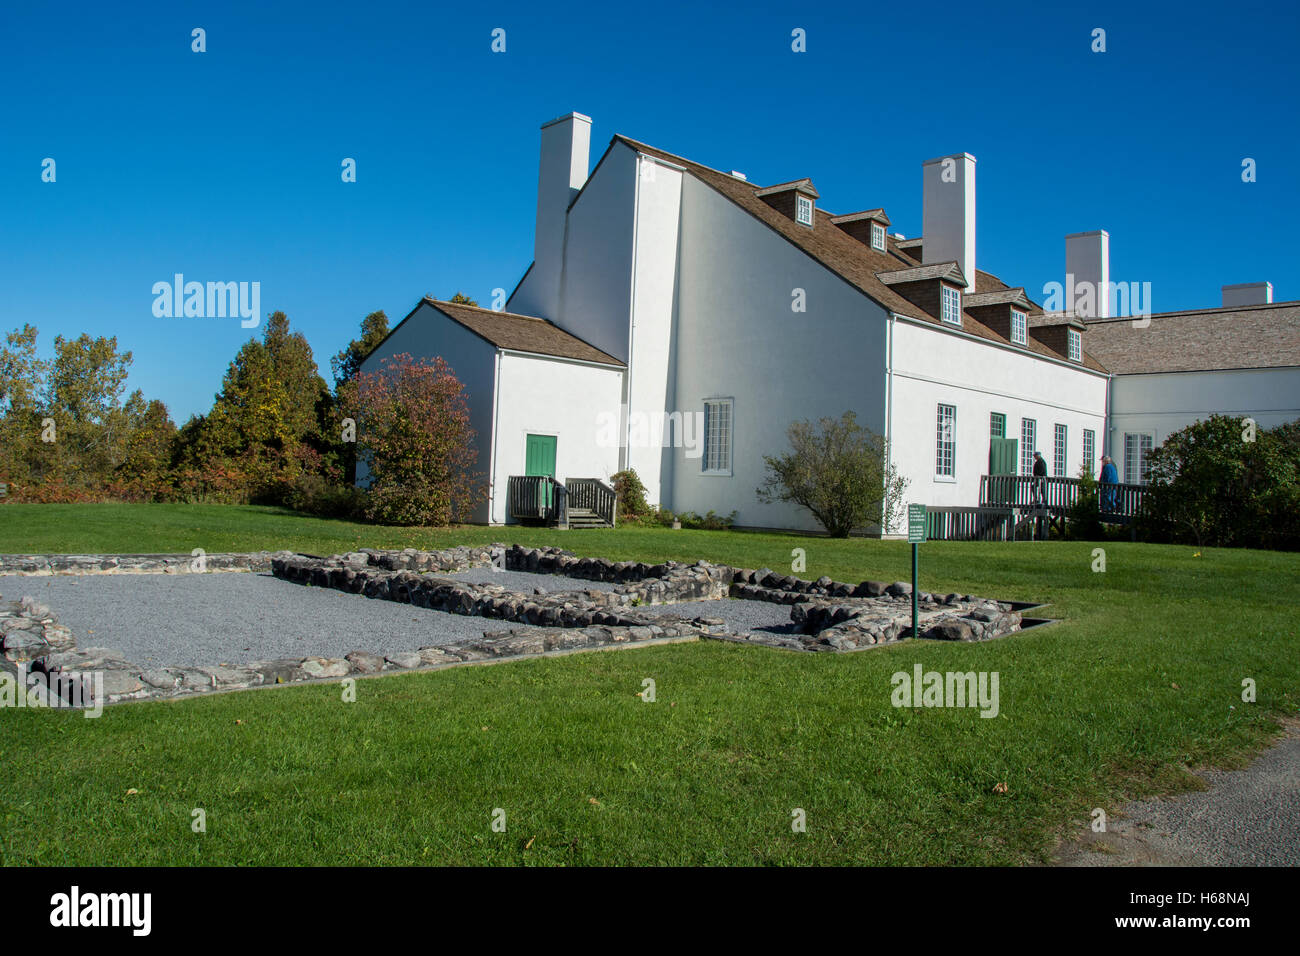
<point>1021,507</point>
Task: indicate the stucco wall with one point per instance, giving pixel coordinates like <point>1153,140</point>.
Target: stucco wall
<point>428,333</point>
<point>737,337</point>
<point>1160,404</point>
<point>596,296</point>
<point>654,296</point>
<point>933,367</point>
<point>544,396</point>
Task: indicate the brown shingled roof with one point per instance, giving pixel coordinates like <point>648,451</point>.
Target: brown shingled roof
<point>521,333</point>
<point>855,262</point>
<point>1249,336</point>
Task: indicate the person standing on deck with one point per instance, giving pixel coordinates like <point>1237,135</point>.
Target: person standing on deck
<point>1040,480</point>
<point>1109,478</point>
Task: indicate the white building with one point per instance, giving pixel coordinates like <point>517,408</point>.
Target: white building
<point>676,319</point>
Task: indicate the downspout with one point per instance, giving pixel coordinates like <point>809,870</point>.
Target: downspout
<point>624,456</point>
<point>889,399</point>
<point>1110,383</point>
<point>492,455</point>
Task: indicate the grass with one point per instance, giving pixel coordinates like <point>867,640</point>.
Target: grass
<point>1140,680</point>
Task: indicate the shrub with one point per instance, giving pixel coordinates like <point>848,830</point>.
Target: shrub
<point>631,495</point>
<point>1083,521</point>
<point>839,471</point>
<point>414,437</point>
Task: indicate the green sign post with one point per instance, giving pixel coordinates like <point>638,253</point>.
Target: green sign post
<point>915,535</point>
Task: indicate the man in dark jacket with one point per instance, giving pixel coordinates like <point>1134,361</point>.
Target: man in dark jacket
<point>1040,480</point>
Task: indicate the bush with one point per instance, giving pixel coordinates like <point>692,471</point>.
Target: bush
<point>631,495</point>
<point>1224,482</point>
<point>414,436</point>
<point>689,519</point>
<point>839,471</point>
<point>1083,521</point>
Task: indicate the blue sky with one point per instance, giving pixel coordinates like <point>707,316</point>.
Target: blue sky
<point>225,165</point>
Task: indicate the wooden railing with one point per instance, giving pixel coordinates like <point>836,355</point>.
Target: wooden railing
<point>535,498</point>
<point>970,524</point>
<point>1118,502</point>
<point>595,496</point>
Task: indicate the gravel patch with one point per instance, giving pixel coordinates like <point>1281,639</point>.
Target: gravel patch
<point>742,617</point>
<point>526,581</point>
<point>171,620</point>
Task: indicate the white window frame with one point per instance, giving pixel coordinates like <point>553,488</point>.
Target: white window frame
<point>877,236</point>
<point>1060,450</point>
<point>803,210</point>
<point>952,295</point>
<point>1019,326</point>
<point>1075,345</point>
<point>945,443</point>
<point>709,405</point>
<point>1028,444</point>
<point>1089,450</point>
<point>1137,466</point>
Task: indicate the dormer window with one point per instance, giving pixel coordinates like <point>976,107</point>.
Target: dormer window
<point>803,211</point>
<point>951,305</point>
<point>1075,345</point>
<point>877,236</point>
<point>1018,326</point>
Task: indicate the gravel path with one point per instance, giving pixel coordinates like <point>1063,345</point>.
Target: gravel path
<point>170,620</point>
<point>1247,817</point>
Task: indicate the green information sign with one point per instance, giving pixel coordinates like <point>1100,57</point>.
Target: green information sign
<point>915,524</point>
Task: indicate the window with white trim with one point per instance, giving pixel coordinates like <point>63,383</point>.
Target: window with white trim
<point>951,305</point>
<point>1089,449</point>
<point>803,210</point>
<point>1058,451</point>
<point>1137,455</point>
<point>877,236</point>
<point>1075,345</point>
<point>1018,325</point>
<point>1028,438</point>
<point>945,456</point>
<point>717,436</point>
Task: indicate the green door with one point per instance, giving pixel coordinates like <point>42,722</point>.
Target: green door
<point>1002,456</point>
<point>539,459</point>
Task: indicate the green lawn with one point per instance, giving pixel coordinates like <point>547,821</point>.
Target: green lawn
<point>1141,679</point>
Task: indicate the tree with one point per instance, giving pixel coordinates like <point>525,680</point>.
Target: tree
<point>346,364</point>
<point>83,395</point>
<point>1220,482</point>
<point>416,442</point>
<point>461,299</point>
<point>840,472</point>
<point>21,381</point>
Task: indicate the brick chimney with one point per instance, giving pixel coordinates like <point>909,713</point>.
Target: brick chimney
<point>562,171</point>
<point>1247,293</point>
<point>948,213</point>
<point>1087,260</point>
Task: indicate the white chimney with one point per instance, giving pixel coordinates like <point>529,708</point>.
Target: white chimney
<point>1087,267</point>
<point>948,213</point>
<point>562,171</point>
<point>1248,293</point>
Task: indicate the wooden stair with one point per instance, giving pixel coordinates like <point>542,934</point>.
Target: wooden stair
<point>586,518</point>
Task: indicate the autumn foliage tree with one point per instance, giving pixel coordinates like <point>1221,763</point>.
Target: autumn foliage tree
<point>415,443</point>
